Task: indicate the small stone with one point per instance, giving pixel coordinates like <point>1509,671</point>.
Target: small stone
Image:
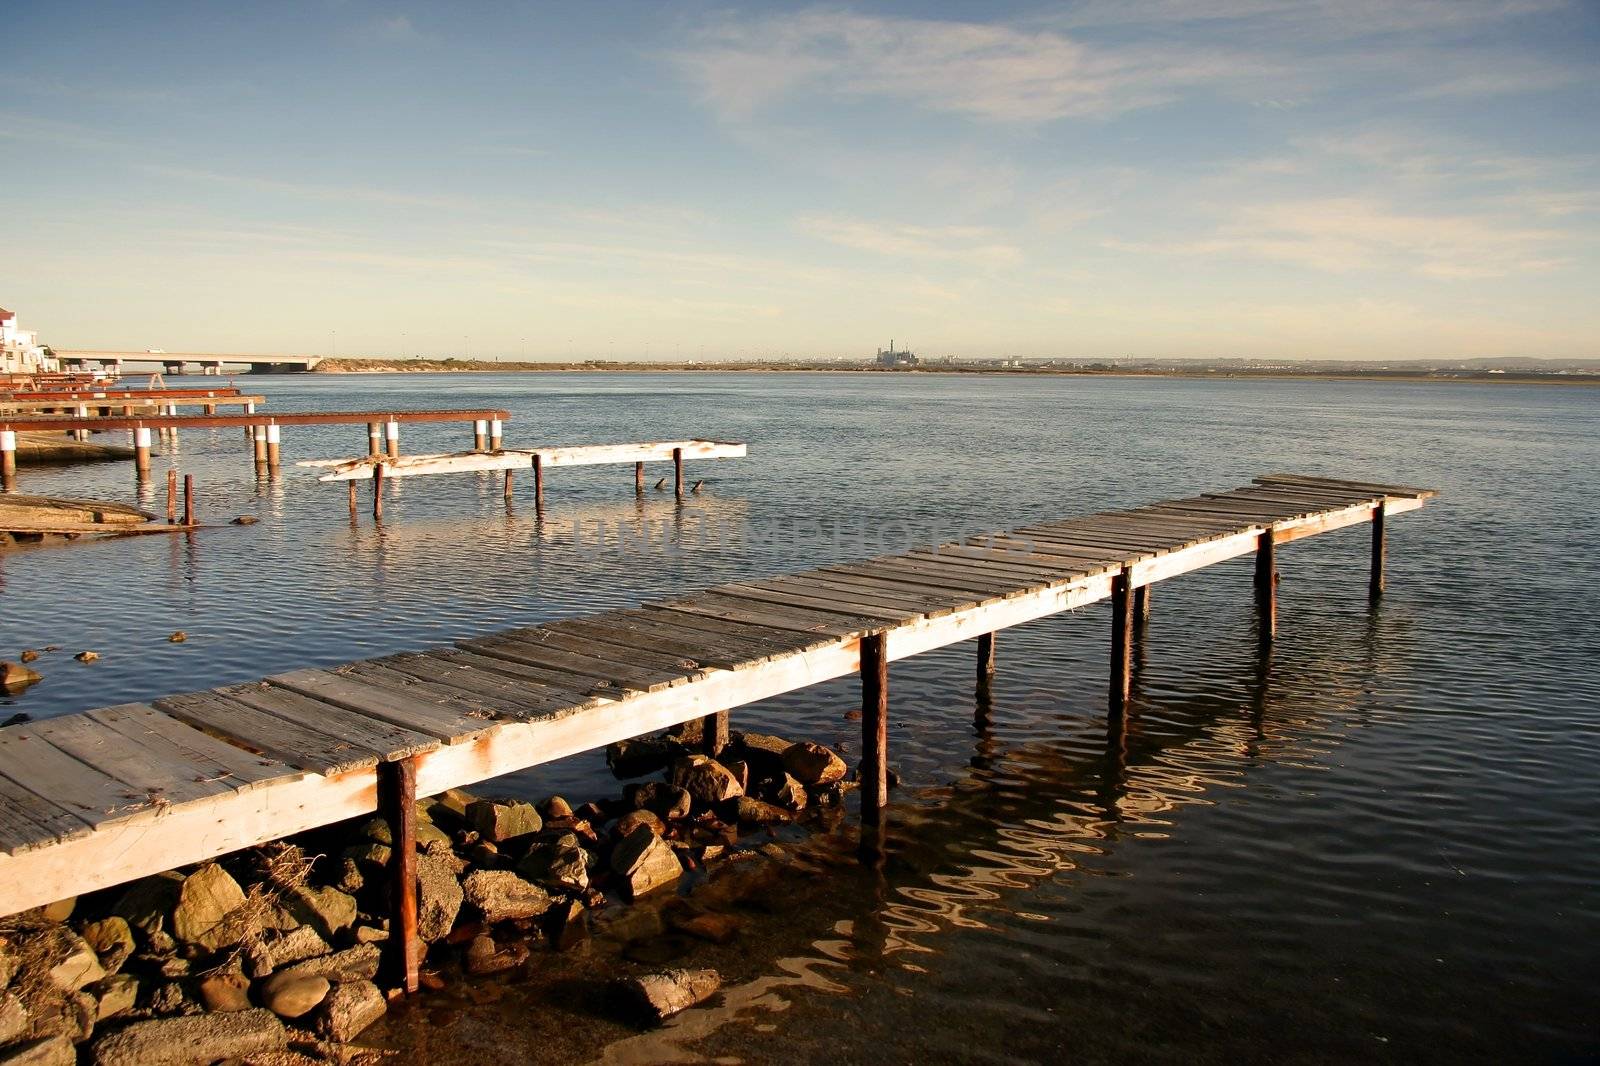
<point>245,520</point>
<point>87,656</point>
<point>556,807</point>
<point>499,822</point>
<point>14,676</point>
<point>350,879</point>
<point>60,910</point>
<point>749,811</point>
<point>646,862</point>
<point>369,934</point>
<point>65,957</point>
<point>812,764</point>
<point>298,944</point>
<point>377,830</point>
<point>112,940</point>
<point>225,990</point>
<point>559,865</point>
<point>169,998</point>
<point>640,756</point>
<point>450,805</point>
<point>351,964</point>
<point>667,801</point>
<point>115,995</point>
<point>740,771</point>
<point>199,1038</point>
<point>661,995</point>
<point>52,1012</point>
<point>50,1051</point>
<point>29,655</point>
<point>147,902</point>
<point>205,899</point>
<point>502,896</point>
<point>178,637</point>
<point>634,819</point>
<point>291,996</point>
<point>707,780</point>
<point>483,855</point>
<point>13,1019</point>
<point>568,924</point>
<point>175,967</point>
<point>20,718</point>
<point>790,793</point>
<point>439,897</point>
<point>715,928</point>
<point>349,1009</point>
<point>328,910</point>
<point>431,838</point>
<point>485,957</point>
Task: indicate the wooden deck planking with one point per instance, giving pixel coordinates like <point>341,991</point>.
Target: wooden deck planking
<point>201,773</point>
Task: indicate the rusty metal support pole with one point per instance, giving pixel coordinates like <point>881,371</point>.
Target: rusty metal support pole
<point>377,491</point>
<point>714,733</point>
<point>188,499</point>
<point>638,479</point>
<point>391,435</point>
<point>677,472</point>
<point>1379,551</point>
<point>1121,641</point>
<point>480,434</point>
<point>496,434</point>
<point>538,481</point>
<point>172,496</point>
<point>1267,588</point>
<point>397,805</point>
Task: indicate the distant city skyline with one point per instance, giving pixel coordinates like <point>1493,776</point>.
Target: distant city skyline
<point>1273,179</point>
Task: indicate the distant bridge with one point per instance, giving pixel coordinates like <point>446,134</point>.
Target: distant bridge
<point>176,362</point>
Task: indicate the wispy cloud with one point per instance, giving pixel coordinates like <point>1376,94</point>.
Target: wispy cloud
<point>974,245</point>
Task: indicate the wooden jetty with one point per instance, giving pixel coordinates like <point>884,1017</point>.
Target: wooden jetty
<point>376,468</point>
<point>95,799</point>
<point>264,429</point>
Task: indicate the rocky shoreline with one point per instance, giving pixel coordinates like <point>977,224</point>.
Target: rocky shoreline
<point>274,955</point>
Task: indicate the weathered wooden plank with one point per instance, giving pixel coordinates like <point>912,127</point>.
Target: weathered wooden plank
<point>1099,560</point>
<point>782,641</point>
<point>711,649</point>
<point>1378,488</point>
<point>511,699</point>
<point>445,714</point>
<point>1117,547</point>
<point>818,600</point>
<point>625,655</point>
<point>952,579</point>
<point>1116,540</point>
<point>360,469</point>
<point>173,740</point>
<point>31,761</point>
<point>978,562</point>
<point>979,552</point>
<point>599,672</point>
<point>260,731</point>
<point>382,738</point>
<point>773,616</point>
<point>29,821</point>
<point>145,770</point>
<point>837,587</point>
<point>587,691</point>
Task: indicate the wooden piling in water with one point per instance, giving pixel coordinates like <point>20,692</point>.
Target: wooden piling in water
<point>352,485</point>
<point>1266,582</point>
<point>141,452</point>
<point>391,435</point>
<point>8,459</point>
<point>538,482</point>
<point>377,492</point>
<point>874,723</point>
<point>1121,640</point>
<point>274,437</point>
<point>509,474</point>
<point>496,434</point>
<point>1141,614</point>
<point>677,472</point>
<point>172,496</point>
<point>397,800</point>
<point>985,662</point>
<point>1375,582</point>
<point>480,434</point>
<point>259,444</point>
<point>188,499</point>
<point>638,479</point>
<point>714,733</point>
<point>374,439</point>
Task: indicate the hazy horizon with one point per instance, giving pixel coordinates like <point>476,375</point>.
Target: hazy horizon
<point>1269,179</point>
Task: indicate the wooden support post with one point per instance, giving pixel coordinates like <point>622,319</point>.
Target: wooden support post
<point>8,459</point>
<point>141,452</point>
<point>496,434</point>
<point>374,439</point>
<point>1379,550</point>
<point>714,733</point>
<point>677,472</point>
<point>352,485</point>
<point>260,444</point>
<point>249,409</point>
<point>172,496</point>
<point>985,661</point>
<point>1267,588</point>
<point>508,485</point>
<point>480,434</point>
<point>273,440</point>
<point>397,804</point>
<point>1141,613</point>
<point>210,408</point>
<point>874,723</point>
<point>188,499</point>
<point>638,479</point>
<point>377,491</point>
<point>1121,641</point>
<point>391,435</point>
<point>538,481</point>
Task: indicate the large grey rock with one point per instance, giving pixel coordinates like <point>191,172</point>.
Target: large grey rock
<point>634,819</point>
<point>205,900</point>
<point>66,958</point>
<point>500,822</point>
<point>641,755</point>
<point>502,896</point>
<point>289,996</point>
<point>751,811</point>
<point>661,995</point>
<point>112,940</point>
<point>351,964</point>
<point>559,865</point>
<point>195,1039</point>
<point>707,780</point>
<point>326,909</point>
<point>13,1019</point>
<point>53,1012</point>
<point>298,944</point>
<point>762,751</point>
<point>148,902</point>
<point>50,1051</point>
<point>439,898</point>
<point>349,1009</point>
<point>645,862</point>
<point>812,764</point>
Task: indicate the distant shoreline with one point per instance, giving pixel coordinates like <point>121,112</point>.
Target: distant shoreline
<point>479,366</point>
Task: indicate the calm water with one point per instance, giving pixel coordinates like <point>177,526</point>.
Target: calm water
<point>1380,845</point>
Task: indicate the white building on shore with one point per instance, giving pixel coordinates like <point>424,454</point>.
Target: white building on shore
<point>20,351</point>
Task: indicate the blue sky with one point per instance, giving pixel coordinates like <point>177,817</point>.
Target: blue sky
<point>1265,178</point>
